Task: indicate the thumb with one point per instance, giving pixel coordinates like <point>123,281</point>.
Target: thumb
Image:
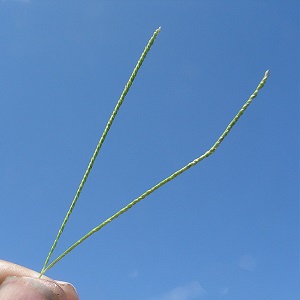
<point>27,288</point>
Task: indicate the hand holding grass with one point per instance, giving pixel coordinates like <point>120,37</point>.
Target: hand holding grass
<point>20,283</point>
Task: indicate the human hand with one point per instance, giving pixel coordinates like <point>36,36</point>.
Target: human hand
<point>20,283</point>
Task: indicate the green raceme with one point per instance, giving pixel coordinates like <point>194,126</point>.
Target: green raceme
<point>48,265</point>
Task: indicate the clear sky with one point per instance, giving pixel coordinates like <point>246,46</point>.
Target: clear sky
<point>226,229</point>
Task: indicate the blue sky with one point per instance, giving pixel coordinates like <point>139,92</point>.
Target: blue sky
<point>226,229</point>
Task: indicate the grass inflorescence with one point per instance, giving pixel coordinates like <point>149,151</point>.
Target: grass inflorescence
<point>48,265</point>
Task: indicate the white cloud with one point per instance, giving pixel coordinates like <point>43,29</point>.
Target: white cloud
<point>224,291</point>
<point>247,262</point>
<point>134,274</point>
<point>192,290</point>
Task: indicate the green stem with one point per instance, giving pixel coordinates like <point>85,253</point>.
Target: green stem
<point>99,145</point>
<point>171,177</point>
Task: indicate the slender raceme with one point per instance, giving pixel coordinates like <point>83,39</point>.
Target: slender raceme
<point>100,143</point>
<point>171,177</point>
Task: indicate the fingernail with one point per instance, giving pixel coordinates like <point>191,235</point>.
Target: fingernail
<point>66,285</point>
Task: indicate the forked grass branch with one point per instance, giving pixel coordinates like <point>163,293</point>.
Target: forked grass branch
<point>155,187</point>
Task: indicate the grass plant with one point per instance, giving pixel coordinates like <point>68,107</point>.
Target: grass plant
<point>48,265</point>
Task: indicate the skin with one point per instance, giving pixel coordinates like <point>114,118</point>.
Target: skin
<point>20,283</point>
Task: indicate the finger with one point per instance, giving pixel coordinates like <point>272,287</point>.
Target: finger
<point>27,288</point>
<point>10,269</point>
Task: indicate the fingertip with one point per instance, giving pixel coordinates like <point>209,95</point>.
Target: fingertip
<point>69,290</point>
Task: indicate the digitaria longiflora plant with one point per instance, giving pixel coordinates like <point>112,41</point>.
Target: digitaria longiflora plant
<point>48,265</point>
